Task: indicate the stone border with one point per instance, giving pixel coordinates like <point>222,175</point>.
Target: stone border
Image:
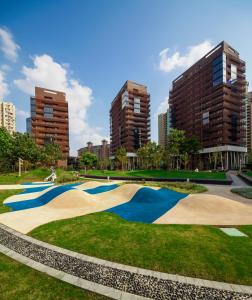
<point>161,179</point>
<point>114,280</point>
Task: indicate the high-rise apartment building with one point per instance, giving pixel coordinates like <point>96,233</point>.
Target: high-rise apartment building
<point>249,121</point>
<point>101,151</point>
<point>164,127</point>
<point>130,118</point>
<point>208,101</point>
<point>8,116</point>
<point>49,118</point>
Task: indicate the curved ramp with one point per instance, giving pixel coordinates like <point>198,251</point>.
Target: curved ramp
<point>208,210</point>
<point>147,205</point>
<point>27,196</point>
<point>71,203</point>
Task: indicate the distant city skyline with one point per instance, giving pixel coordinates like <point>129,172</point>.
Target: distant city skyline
<point>88,49</point>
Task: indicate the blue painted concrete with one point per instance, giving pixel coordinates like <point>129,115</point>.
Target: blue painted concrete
<point>37,183</point>
<point>41,200</point>
<point>102,189</point>
<point>147,205</point>
<point>48,196</point>
<point>34,190</point>
<point>42,188</point>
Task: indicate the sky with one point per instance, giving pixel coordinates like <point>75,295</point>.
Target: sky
<point>89,48</point>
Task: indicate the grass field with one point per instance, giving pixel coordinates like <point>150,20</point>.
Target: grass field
<point>249,173</point>
<point>181,187</point>
<point>19,282</point>
<point>160,173</point>
<point>245,192</point>
<point>37,175</point>
<point>5,194</point>
<point>197,251</point>
<point>33,175</point>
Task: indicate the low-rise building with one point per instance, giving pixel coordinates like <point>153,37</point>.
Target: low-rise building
<point>101,151</point>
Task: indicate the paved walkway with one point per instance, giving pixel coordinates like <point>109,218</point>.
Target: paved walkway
<point>113,280</point>
<point>237,181</point>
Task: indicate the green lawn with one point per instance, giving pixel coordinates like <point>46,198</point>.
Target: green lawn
<point>38,174</point>
<point>249,173</point>
<point>181,187</point>
<point>245,192</point>
<point>19,282</point>
<point>5,194</point>
<point>33,175</point>
<point>160,173</point>
<point>197,251</point>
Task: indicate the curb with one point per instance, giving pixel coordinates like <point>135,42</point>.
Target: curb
<point>232,291</point>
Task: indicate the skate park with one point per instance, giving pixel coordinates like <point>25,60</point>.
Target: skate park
<point>41,203</point>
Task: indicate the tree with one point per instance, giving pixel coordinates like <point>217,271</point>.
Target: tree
<point>142,154</point>
<point>88,159</point>
<point>6,149</point>
<point>50,154</point>
<point>190,148</point>
<point>103,164</point>
<point>121,157</point>
<point>25,147</point>
<point>176,141</point>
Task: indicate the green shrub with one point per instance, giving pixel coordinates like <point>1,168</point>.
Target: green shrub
<point>67,176</point>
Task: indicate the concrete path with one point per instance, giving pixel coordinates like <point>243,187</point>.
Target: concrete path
<point>113,280</point>
<point>22,186</point>
<point>237,181</point>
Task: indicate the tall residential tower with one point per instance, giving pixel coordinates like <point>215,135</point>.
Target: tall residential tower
<point>164,127</point>
<point>49,118</point>
<point>8,116</point>
<point>130,118</point>
<point>208,101</point>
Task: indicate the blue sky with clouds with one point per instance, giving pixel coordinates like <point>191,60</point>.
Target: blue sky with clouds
<point>89,48</point>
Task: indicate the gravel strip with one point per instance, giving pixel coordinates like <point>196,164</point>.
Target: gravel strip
<point>138,284</point>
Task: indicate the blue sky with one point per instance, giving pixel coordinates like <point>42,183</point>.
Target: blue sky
<point>89,48</point>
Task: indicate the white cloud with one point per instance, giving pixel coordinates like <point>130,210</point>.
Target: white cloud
<point>162,108</point>
<point>22,113</point>
<point>5,68</point>
<point>4,88</point>
<point>49,74</point>
<point>7,45</point>
<point>168,63</point>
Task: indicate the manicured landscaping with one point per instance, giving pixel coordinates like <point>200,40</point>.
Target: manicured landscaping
<point>244,192</point>
<point>21,282</point>
<point>181,187</point>
<point>249,173</point>
<point>5,194</point>
<point>191,250</point>
<point>37,175</point>
<point>29,176</point>
<point>160,173</point>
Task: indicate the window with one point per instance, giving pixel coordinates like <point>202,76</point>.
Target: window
<point>48,112</point>
<point>205,118</point>
<point>49,139</point>
<point>137,105</point>
<point>125,99</point>
<point>233,72</point>
<point>219,69</point>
